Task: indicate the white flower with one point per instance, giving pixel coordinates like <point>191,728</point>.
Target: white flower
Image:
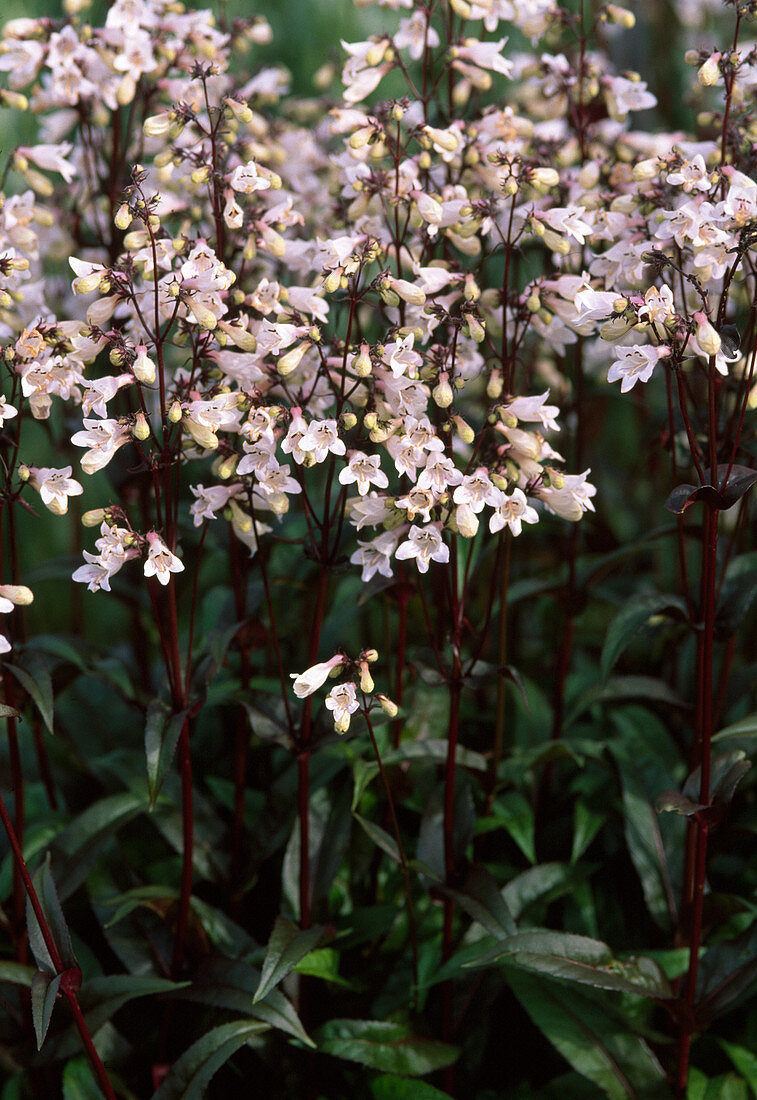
<point>245,179</point>
<point>342,700</point>
<point>635,363</point>
<point>161,562</point>
<point>512,510</point>
<point>305,683</point>
<point>364,470</point>
<point>425,544</point>
<point>375,556</point>
<point>55,487</point>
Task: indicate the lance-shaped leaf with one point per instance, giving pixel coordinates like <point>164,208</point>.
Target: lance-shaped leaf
<point>44,991</point>
<point>381,1044</point>
<point>580,959</point>
<point>724,496</point>
<point>189,1075</point>
<point>631,618</point>
<point>595,1043</point>
<point>56,923</point>
<point>32,673</point>
<point>726,772</point>
<point>162,733</point>
<point>287,945</point>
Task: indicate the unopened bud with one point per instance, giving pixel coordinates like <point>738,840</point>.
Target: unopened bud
<point>291,360</point>
<point>143,368</point>
<point>464,430</point>
<point>141,429</point>
<point>621,16</point>
<point>93,518</point>
<point>442,392</point>
<point>174,412</point>
<point>709,73</point>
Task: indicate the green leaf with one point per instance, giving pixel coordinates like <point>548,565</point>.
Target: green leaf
<point>102,996</point>
<point>56,922</point>
<point>745,1062</point>
<point>591,1039</point>
<point>390,1087</point>
<point>230,983</point>
<point>540,885</point>
<point>582,960</point>
<point>516,816</point>
<point>35,679</point>
<point>380,837</point>
<point>323,963</point>
<point>631,618</point>
<point>16,973</point>
<point>747,727</point>
<point>44,992</point>
<point>86,836</point>
<point>631,688</point>
<point>79,1082</point>
<point>727,1086</point>
<point>382,1045</point>
<point>482,900</point>
<point>586,824</point>
<point>162,732</point>
<point>189,1075</point>
<point>287,945</point>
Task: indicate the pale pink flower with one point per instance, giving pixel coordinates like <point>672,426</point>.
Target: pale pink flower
<point>161,562</point>
<point>425,544</point>
<point>342,701</point>
<point>305,683</point>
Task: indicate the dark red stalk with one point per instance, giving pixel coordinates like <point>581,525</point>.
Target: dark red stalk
<point>303,755</point>
<point>55,956</point>
<point>710,545</point>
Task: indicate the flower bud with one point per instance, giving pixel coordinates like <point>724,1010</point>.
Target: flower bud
<point>141,429</point>
<point>621,16</point>
<point>442,392</point>
<point>291,360</point>
<point>143,368</point>
<point>361,364</point>
<point>495,385</point>
<point>366,680</point>
<point>18,594</point>
<point>464,430</point>
<point>387,705</point>
<point>709,73</point>
<point>93,518</point>
<point>707,337</point>
<point>475,327</point>
<point>174,413</point>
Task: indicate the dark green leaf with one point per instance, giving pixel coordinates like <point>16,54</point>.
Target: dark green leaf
<point>390,1087</point>
<point>162,732</point>
<point>16,973</point>
<point>482,900</point>
<point>56,922</point>
<point>85,837</point>
<point>583,960</point>
<point>386,1046</point>
<point>631,618</point>
<point>380,837</point>
<point>189,1076</point>
<point>35,679</point>
<point>79,1082</point>
<point>596,1045</point>
<point>287,945</point>
<point>745,1062</point>
<point>44,992</point>
<point>231,983</point>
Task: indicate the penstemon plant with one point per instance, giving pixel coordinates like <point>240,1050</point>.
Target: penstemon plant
<point>342,753</point>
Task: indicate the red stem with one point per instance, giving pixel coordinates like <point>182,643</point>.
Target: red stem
<point>54,953</point>
<point>705,710</point>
